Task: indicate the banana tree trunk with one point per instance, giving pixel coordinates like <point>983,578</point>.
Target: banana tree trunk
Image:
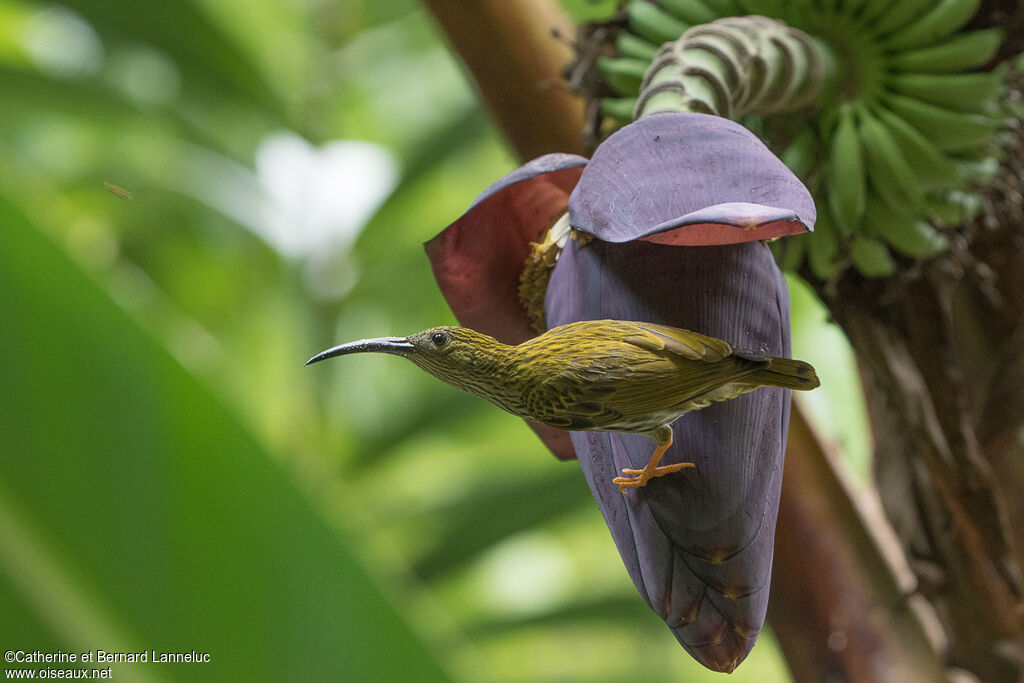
<point>943,362</point>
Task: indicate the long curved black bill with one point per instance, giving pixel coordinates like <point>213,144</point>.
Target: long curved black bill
<point>396,345</point>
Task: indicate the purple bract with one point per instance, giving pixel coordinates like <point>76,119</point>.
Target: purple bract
<point>678,205</point>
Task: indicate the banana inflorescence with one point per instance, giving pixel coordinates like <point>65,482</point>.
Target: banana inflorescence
<point>899,135</point>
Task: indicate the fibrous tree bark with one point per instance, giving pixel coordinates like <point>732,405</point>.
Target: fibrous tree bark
<point>942,354</point>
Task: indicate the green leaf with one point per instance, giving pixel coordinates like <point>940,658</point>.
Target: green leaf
<point>30,93</point>
<point>137,513</point>
<point>198,46</point>
<point>470,525</point>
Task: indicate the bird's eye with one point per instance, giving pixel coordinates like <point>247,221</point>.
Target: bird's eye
<point>440,339</point>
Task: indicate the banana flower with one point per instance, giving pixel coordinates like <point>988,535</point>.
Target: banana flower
<point>666,223</point>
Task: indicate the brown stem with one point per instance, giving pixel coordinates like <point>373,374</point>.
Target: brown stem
<point>843,602</point>
<point>936,485</point>
<point>510,48</point>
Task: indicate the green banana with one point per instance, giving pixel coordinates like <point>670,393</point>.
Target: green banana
<point>724,8</point>
<point>955,208</point>
<point>889,161</point>
<point>904,233</point>
<point>901,230</point>
<point>947,210</point>
<point>873,9</point>
<point>650,21</point>
<point>982,169</point>
<point>693,12</point>
<point>623,75</point>
<point>961,92</point>
<point>848,7</point>
<point>951,131</point>
<point>800,156</point>
<point>767,8</point>
<point>898,14</point>
<point>888,170</point>
<point>931,167</point>
<point>632,46</point>
<point>959,53</point>
<point>618,108</point>
<point>945,18</point>
<point>846,188</point>
<point>871,257</point>
<point>823,250</point>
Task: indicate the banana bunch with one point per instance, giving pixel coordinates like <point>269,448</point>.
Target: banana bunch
<point>899,137</point>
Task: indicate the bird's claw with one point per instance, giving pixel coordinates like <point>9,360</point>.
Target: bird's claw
<point>641,477</point>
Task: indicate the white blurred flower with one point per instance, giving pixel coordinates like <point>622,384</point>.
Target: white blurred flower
<point>308,203</point>
<point>319,199</point>
<point>62,44</point>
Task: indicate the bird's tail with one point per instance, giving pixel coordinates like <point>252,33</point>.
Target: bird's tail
<point>788,374</point>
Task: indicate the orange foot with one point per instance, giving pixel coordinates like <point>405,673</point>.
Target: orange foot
<point>641,477</point>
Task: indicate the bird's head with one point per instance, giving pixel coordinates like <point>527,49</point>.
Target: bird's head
<point>454,354</point>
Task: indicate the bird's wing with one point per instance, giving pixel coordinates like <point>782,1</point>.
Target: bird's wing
<point>607,390</point>
<point>692,345</point>
<point>648,392</point>
<point>710,364</point>
<point>616,394</point>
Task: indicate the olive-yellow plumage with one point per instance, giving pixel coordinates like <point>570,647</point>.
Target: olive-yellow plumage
<point>601,375</point>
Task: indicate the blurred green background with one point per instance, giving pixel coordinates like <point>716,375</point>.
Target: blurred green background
<point>196,196</point>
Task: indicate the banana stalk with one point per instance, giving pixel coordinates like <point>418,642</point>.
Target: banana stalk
<point>847,189</point>
<point>735,66</point>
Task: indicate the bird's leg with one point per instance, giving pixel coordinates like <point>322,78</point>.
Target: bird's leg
<point>663,437</point>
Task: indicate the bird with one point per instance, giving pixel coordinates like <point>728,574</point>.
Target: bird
<point>595,375</point>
